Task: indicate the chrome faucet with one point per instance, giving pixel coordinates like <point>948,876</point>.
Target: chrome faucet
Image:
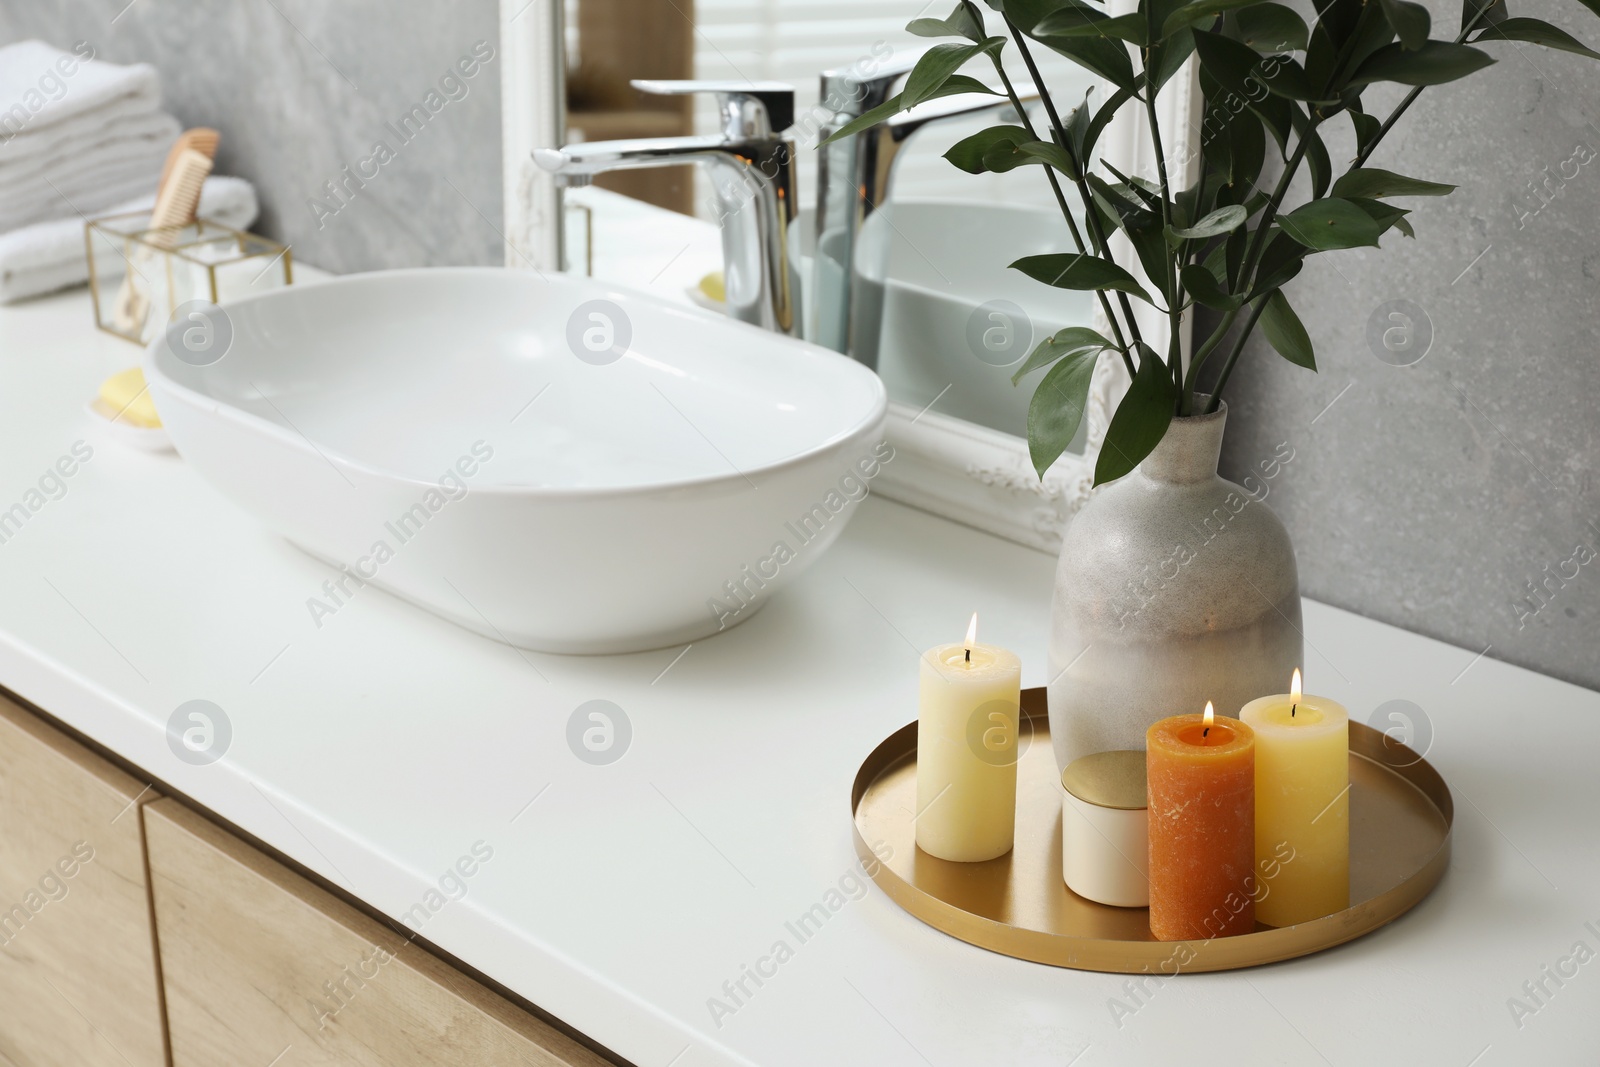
<point>855,177</point>
<point>752,171</point>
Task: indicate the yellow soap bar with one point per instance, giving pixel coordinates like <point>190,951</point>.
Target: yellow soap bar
<point>127,398</point>
<point>712,288</point>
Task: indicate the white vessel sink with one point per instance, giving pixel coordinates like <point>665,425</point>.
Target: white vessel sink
<point>432,432</point>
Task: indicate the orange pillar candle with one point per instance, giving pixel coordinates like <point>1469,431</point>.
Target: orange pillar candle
<point>1201,773</point>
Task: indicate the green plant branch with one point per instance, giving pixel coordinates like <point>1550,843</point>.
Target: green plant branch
<point>1238,346</point>
<point>1252,257</point>
<point>1173,290</point>
<point>1066,213</point>
<point>1090,216</point>
<point>1411,97</point>
<point>1207,348</point>
<point>1247,267</point>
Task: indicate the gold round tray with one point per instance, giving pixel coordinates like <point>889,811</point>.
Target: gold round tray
<point>1400,818</point>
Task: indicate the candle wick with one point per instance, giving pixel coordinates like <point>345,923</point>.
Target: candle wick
<point>1205,732</point>
<point>969,656</point>
<point>1291,710</point>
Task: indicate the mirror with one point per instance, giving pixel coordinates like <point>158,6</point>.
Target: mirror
<point>898,258</point>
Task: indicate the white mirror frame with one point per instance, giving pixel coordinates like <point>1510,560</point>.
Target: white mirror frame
<point>951,467</point>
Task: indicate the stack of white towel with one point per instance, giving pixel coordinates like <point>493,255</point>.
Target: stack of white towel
<point>79,138</point>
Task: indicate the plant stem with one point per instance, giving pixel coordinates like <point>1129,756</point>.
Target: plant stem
<point>1247,268</point>
<point>1238,346</point>
<point>1245,271</point>
<point>1411,97</point>
<point>1251,261</point>
<point>1173,292</point>
<point>1205,351</point>
<point>1066,213</point>
<point>1091,218</point>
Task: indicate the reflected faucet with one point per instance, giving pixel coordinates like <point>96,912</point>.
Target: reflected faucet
<point>752,171</point>
<point>855,177</point>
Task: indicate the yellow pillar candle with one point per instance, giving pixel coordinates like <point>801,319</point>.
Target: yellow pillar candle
<point>971,696</point>
<point>1302,805</point>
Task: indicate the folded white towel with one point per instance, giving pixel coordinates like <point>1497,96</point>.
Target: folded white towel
<point>131,114</point>
<point>87,182</point>
<point>50,255</point>
<point>75,140</point>
<point>40,86</point>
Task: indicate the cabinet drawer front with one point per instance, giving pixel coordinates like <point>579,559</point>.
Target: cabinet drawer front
<point>259,963</point>
<point>78,978</point>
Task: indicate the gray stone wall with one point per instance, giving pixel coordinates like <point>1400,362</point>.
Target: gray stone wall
<point>1457,496</point>
<point>302,89</point>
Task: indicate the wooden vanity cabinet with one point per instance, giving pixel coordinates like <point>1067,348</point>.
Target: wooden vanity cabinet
<point>263,967</point>
<point>79,982</point>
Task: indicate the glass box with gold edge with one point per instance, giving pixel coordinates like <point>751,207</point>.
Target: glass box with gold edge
<point>140,276</point>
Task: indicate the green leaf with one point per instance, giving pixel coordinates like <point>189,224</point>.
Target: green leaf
<point>1200,11</point>
<point>1083,21</point>
<point>1532,31</point>
<point>1271,28</point>
<point>1157,11</point>
<point>1236,245</point>
<point>1331,223</point>
<point>1077,124</point>
<point>1098,55</point>
<point>1286,332</point>
<point>1128,211</point>
<point>1150,245</point>
<point>968,153</point>
<point>1235,66</point>
<point>1004,157</point>
<point>1230,63</point>
<point>1056,410</point>
<point>1338,19</point>
<point>1221,220</point>
<point>1411,22</point>
<point>937,65</point>
<point>1167,57</point>
<point>1497,10</point>
<point>1280,263</point>
<point>1371,182</point>
<point>1277,115</point>
<point>1366,128</point>
<point>1063,343</point>
<point>1082,272</point>
<point>1101,119</point>
<point>955,85</point>
<point>1204,287</point>
<point>1247,143</point>
<point>1317,161</point>
<point>1289,79</point>
<point>1386,216</point>
<point>1140,421</point>
<point>1435,63</point>
<point>1148,192</point>
<point>1373,30</point>
<point>965,21</point>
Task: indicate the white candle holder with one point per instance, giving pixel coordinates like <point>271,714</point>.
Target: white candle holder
<point>1105,829</point>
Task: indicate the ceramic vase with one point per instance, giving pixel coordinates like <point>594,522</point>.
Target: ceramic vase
<point>1175,586</point>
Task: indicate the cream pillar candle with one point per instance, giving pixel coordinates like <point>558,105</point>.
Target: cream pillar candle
<point>1302,805</point>
<point>971,696</point>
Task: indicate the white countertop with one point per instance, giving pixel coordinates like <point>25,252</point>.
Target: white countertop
<point>378,749</point>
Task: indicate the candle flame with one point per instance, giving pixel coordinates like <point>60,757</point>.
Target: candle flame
<point>1209,716</point>
<point>972,632</point>
<point>1295,692</point>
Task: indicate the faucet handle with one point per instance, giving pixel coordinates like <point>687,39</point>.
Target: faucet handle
<point>749,109</point>
<point>855,90</point>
